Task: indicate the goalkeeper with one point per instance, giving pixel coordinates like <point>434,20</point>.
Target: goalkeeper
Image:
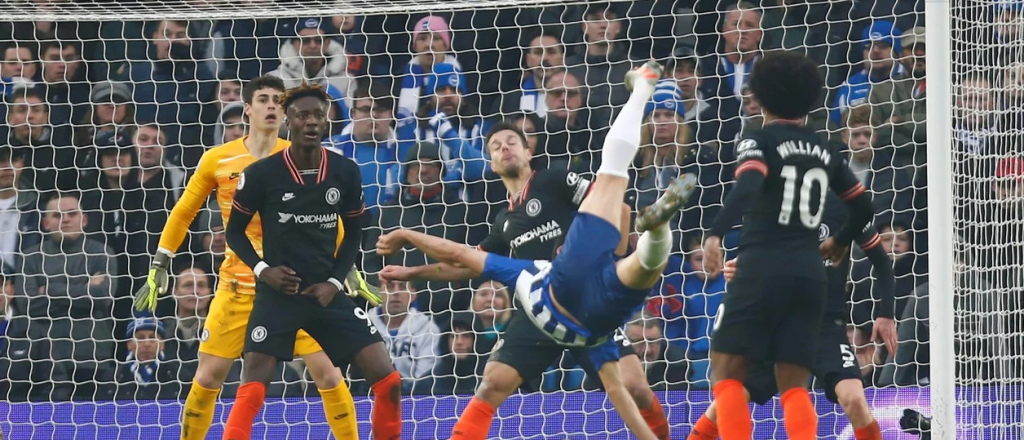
<point>224,331</point>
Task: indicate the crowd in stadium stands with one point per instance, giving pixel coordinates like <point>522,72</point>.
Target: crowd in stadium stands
<point>105,121</point>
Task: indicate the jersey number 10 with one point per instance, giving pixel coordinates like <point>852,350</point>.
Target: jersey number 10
<point>812,177</point>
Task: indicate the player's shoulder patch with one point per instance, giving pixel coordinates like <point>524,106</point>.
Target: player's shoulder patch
<point>749,148</point>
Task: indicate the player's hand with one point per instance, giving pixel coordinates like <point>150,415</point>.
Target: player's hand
<point>323,292</point>
<point>282,279</point>
<point>355,286</point>
<point>156,283</point>
<point>394,273</point>
<point>885,328</point>
<point>391,242</point>
<point>714,258</point>
<point>833,251</point>
<point>730,270</point>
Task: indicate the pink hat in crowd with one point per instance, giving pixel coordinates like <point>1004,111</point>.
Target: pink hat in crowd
<point>1010,167</point>
<point>435,24</point>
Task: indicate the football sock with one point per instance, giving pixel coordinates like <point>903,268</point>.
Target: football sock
<point>655,418</point>
<point>475,421</point>
<point>248,403</point>
<point>704,429</point>
<point>387,408</point>
<point>733,411</point>
<point>623,137</point>
<point>654,246</point>
<point>869,432</point>
<point>198,412</point>
<point>341,412</point>
<point>798,415</point>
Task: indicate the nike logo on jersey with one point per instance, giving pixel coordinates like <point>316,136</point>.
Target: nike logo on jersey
<point>234,176</point>
<point>287,197</point>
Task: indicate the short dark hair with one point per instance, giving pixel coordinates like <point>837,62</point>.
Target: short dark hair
<point>599,8</point>
<point>261,82</point>
<point>59,45</point>
<point>380,95</point>
<point>786,84</point>
<point>502,126</point>
<point>306,89</point>
<point>24,92</point>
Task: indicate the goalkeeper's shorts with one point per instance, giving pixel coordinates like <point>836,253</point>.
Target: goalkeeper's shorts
<point>223,332</point>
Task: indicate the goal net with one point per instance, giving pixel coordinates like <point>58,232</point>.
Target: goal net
<point>110,105</point>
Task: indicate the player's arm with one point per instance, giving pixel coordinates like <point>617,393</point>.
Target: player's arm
<point>446,272</point>
<point>750,175</point>
<point>862,211</point>
<point>198,190</point>
<point>445,251</point>
<point>883,289</point>
<point>249,197</point>
<point>623,402</point>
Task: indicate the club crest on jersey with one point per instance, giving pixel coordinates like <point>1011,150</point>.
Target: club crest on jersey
<point>241,181</point>
<point>571,178</point>
<point>204,335</point>
<point>533,207</point>
<point>333,195</point>
<point>258,334</point>
<point>823,232</point>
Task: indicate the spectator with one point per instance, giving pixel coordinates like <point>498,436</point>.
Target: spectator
<point>975,120</point>
<point>666,145</point>
<point>891,189</point>
<point>64,83</point>
<point>148,373</point>
<point>193,291</point>
<point>245,47</point>
<point>155,171</point>
<point>19,217</point>
<point>602,64</point>
<point>454,125</point>
<point>459,369</point>
<point>909,269</point>
<point>19,67</point>
<point>229,90</point>
<point>214,243</point>
<point>683,68</point>
<point>411,336</point>
<point>372,142</point>
<point>492,310</point>
<point>703,293</point>
<point>728,69</point>
<point>882,46</point>
<point>351,37</point>
<point>898,105</point>
<point>431,45</point>
<point>574,132</point>
<point>67,292</point>
<point>312,56</point>
<point>51,163</point>
<point>424,205</point>
<point>544,57</point>
<point>230,124</point>
<point>664,363</point>
<point>7,292</point>
<point>172,88</point>
<point>112,109</point>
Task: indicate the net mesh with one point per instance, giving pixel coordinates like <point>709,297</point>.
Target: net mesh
<point>113,104</point>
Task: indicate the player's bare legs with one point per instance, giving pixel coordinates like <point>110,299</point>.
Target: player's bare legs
<point>850,393</point>
<point>375,363</point>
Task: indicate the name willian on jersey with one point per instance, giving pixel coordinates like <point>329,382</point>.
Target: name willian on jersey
<point>747,148</point>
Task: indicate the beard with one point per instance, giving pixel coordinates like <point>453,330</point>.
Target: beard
<point>513,169</point>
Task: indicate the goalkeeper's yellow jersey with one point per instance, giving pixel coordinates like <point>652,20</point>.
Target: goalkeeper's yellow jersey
<point>218,170</point>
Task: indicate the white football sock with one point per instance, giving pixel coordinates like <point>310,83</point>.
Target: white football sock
<point>624,135</point>
<point>654,247</point>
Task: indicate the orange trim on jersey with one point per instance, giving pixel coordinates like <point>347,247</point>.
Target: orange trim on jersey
<point>294,170</point>
<point>755,165</point>
<point>857,190</point>
<point>321,172</point>
<point>359,211</point>
<point>526,191</point>
<point>240,208</point>
<point>872,243</point>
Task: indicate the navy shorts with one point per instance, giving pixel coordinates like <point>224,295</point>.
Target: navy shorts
<point>584,280</point>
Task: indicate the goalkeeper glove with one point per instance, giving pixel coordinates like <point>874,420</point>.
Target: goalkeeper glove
<point>355,286</point>
<point>156,283</point>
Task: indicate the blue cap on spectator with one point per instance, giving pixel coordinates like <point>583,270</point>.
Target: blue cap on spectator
<point>883,31</point>
<point>313,23</point>
<point>145,323</point>
<point>446,75</point>
<point>666,96</point>
<point>1009,5</point>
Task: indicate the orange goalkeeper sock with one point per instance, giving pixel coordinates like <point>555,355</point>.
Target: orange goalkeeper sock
<point>475,421</point>
<point>869,432</point>
<point>387,408</point>
<point>655,418</point>
<point>704,429</point>
<point>248,403</point>
<point>798,415</point>
<point>733,411</point>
